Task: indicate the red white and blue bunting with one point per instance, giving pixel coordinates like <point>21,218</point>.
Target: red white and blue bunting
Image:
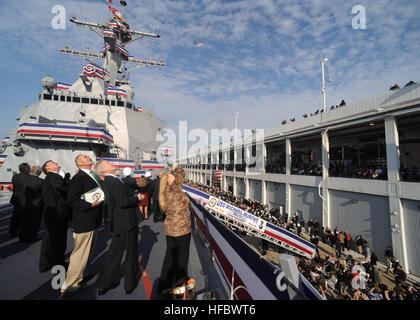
<point>87,134</point>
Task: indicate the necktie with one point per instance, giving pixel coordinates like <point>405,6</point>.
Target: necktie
<point>98,181</point>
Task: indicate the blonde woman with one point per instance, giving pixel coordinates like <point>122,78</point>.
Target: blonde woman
<point>176,204</point>
<point>142,189</point>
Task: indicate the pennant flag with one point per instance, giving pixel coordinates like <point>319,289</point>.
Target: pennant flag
<point>116,13</point>
<point>63,86</point>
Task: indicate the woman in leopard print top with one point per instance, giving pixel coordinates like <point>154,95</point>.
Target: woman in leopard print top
<point>176,204</point>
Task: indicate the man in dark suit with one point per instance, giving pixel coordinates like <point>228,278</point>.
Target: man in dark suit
<point>86,219</point>
<point>124,228</point>
<point>56,214</point>
<point>32,212</point>
<point>18,197</point>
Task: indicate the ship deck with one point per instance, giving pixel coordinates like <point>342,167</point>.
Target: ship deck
<point>21,279</point>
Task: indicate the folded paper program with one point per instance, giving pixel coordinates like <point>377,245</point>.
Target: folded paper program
<point>93,195</point>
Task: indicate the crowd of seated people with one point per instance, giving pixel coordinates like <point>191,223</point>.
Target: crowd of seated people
<point>351,171</point>
<point>334,275</point>
<point>275,166</point>
<point>307,169</point>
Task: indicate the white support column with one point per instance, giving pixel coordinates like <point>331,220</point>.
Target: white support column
<point>263,192</point>
<point>398,236</point>
<point>326,221</point>
<point>287,206</point>
<point>263,182</point>
<point>246,188</point>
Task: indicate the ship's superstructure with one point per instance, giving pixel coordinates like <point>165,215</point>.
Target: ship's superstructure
<point>96,114</point>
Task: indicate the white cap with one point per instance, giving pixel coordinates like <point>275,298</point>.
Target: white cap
<point>148,174</point>
<point>126,171</point>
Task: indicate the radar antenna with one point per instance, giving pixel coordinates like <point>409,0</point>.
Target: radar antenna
<point>117,35</point>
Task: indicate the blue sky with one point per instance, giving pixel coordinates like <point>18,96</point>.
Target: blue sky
<point>260,57</point>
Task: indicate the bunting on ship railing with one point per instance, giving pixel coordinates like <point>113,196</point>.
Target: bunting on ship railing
<point>2,159</point>
<point>122,51</point>
<point>5,140</point>
<point>109,33</point>
<point>115,91</point>
<point>63,86</point>
<point>95,71</point>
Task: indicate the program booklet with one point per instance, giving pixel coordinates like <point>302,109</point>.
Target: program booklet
<point>93,195</point>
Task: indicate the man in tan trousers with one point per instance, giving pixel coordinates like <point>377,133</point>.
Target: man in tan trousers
<point>86,219</point>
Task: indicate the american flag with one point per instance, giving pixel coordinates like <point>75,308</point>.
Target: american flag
<point>5,140</point>
<point>217,178</point>
<point>63,86</point>
<point>139,109</point>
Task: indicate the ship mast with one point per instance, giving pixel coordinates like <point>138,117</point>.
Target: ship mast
<point>116,35</point>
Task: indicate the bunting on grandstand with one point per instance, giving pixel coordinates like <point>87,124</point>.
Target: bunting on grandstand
<point>273,233</point>
<point>119,163</point>
<point>2,159</point>
<point>49,130</point>
<point>152,164</point>
<point>63,86</point>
